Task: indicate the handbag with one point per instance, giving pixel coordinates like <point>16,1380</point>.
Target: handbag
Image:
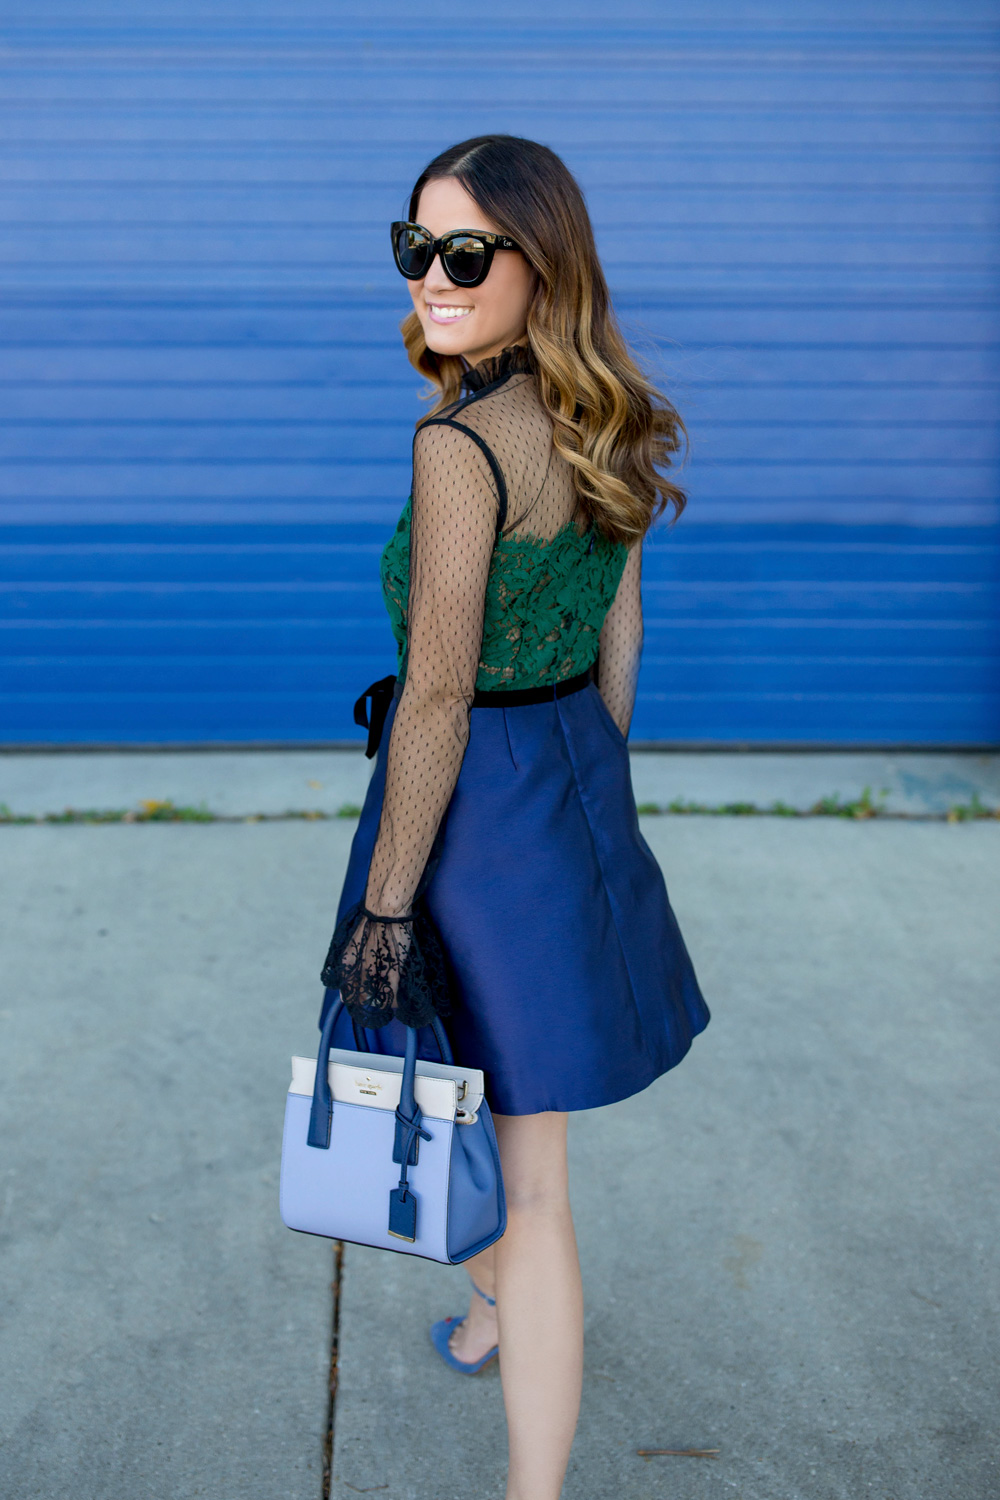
<point>392,1152</point>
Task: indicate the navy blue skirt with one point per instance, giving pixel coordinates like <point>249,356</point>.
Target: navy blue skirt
<point>573,985</point>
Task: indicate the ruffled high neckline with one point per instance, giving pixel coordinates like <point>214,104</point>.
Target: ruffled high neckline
<point>516,359</point>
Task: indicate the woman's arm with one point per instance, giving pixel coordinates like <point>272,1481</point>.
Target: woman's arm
<point>385,958</point>
<point>621,644</point>
<point>452,539</point>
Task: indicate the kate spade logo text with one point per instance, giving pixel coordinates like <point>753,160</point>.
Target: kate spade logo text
<point>367,1085</point>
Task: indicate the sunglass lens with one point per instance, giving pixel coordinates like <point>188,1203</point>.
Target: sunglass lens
<point>413,252</point>
<point>464,259</point>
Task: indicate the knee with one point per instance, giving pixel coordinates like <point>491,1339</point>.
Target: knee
<point>537,1194</point>
<point>533,1158</point>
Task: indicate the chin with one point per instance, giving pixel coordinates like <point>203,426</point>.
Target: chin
<point>448,341</point>
<point>438,345</point>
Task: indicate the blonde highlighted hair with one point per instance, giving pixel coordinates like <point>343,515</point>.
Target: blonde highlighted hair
<point>611,424</point>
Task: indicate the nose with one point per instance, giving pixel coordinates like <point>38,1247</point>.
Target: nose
<point>435,279</point>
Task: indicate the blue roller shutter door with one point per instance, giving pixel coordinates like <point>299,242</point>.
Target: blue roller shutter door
<point>205,432</point>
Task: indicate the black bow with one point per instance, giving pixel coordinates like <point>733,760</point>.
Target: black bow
<point>381,694</point>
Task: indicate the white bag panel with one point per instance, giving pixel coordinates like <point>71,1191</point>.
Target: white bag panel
<point>378,1087</point>
<point>468,1099</point>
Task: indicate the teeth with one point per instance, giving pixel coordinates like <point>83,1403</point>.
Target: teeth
<point>450,312</point>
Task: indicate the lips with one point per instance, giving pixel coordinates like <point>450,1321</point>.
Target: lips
<point>440,312</point>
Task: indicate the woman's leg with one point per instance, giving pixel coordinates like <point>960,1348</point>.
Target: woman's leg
<point>539,1305</point>
<point>477,1332</point>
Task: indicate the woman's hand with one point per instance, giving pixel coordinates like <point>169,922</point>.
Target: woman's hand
<point>387,968</point>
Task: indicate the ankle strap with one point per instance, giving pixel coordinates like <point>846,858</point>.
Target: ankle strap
<point>491,1300</point>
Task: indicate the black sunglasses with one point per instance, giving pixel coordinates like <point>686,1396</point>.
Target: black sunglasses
<point>466,254</point>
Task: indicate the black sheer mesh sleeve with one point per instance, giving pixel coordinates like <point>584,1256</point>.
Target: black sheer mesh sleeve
<point>621,644</point>
<point>393,968</point>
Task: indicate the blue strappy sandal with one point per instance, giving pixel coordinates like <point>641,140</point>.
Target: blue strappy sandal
<point>442,1331</point>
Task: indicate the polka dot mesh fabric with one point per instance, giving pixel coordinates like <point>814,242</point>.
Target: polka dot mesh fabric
<point>545,603</point>
<point>485,473</point>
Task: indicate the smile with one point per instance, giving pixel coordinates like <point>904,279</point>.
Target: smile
<point>441,314</point>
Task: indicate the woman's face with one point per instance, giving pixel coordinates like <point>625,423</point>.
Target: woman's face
<point>472,321</point>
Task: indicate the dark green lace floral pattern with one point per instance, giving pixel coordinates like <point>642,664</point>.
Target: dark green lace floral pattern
<point>545,603</point>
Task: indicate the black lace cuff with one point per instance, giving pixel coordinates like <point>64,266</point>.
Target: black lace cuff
<point>388,968</point>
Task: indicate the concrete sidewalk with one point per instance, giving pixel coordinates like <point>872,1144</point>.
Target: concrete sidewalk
<point>788,1244</point>
<point>162,1334</point>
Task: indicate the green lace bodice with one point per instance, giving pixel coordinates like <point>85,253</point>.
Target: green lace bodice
<point>488,539</point>
<point>545,603</point>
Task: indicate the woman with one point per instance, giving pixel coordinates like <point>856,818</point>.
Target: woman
<point>500,814</point>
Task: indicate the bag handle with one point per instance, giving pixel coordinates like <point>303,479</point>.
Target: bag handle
<point>406,1146</point>
<point>321,1114</point>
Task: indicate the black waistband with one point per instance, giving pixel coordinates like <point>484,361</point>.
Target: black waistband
<point>513,697</point>
<point>382,693</point>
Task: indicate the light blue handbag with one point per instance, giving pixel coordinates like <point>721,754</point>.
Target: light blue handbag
<point>391,1152</point>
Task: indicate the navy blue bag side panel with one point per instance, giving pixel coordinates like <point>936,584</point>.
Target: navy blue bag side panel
<point>206,412</point>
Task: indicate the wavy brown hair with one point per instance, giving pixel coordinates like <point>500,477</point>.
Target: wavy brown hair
<point>615,428</point>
